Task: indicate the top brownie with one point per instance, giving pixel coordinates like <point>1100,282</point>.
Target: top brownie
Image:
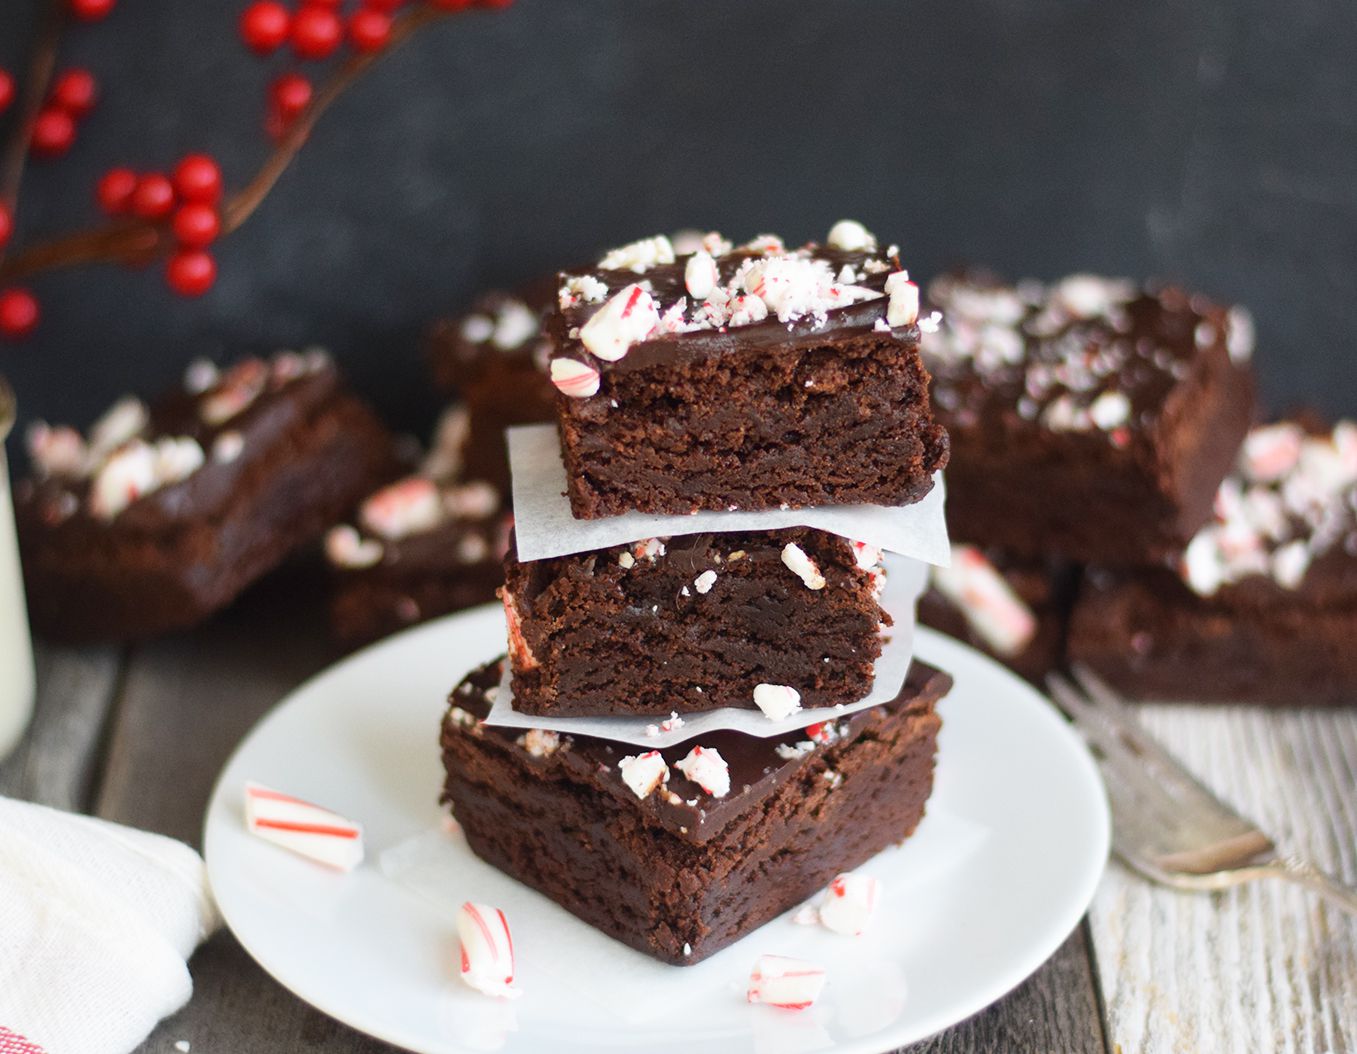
<point>748,377</point>
<point>1092,418</point>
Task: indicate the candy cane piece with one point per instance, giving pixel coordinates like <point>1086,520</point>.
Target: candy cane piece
<point>487,950</point>
<point>780,981</point>
<point>306,829</point>
<point>849,902</point>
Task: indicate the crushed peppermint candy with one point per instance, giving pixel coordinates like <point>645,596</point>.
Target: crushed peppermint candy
<point>576,379</point>
<point>705,767</point>
<point>700,275</point>
<point>640,255</point>
<point>703,582</point>
<point>994,612</point>
<point>540,742</point>
<point>227,447</point>
<point>777,701</point>
<point>1291,499</point>
<point>138,468</point>
<point>487,952</point>
<point>582,289</point>
<point>411,506</point>
<point>626,319</point>
<point>304,828</point>
<point>125,420</point>
<point>848,904</point>
<point>903,307</point>
<point>794,751</point>
<point>643,772</point>
<point>796,560</point>
<point>346,548</point>
<point>851,236</point>
<point>784,982</point>
<point>57,452</point>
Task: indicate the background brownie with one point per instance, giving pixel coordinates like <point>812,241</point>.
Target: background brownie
<point>1263,605</point>
<point>1013,609</point>
<point>163,516</point>
<point>694,623</point>
<point>675,871</point>
<point>1091,419</point>
<point>495,360</point>
<point>751,378</point>
<point>430,544</point>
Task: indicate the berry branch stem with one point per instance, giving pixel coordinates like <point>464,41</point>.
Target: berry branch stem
<point>137,241</point>
<point>36,84</point>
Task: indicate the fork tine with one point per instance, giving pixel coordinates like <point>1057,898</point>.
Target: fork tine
<point>1117,716</point>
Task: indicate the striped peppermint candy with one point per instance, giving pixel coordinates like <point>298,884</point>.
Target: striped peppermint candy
<point>781,981</point>
<point>777,700</point>
<point>903,306</point>
<point>487,950</point>
<point>849,903</point>
<point>991,607</point>
<point>576,379</point>
<point>307,829</point>
<point>627,318</point>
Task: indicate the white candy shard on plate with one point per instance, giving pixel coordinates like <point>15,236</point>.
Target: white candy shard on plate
<point>487,952</point>
<point>781,981</point>
<point>304,828</point>
<point>849,902</point>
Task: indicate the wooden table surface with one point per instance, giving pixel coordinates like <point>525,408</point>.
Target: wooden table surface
<point>138,736</point>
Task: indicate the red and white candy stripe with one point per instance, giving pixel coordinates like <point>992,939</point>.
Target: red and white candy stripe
<point>307,829</point>
<point>487,950</point>
<point>992,609</point>
<point>627,318</point>
<point>576,379</point>
<point>785,982</point>
<point>849,903</point>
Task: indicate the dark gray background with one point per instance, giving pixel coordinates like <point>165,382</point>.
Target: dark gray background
<point>1210,141</point>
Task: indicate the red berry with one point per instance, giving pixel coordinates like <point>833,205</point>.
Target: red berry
<point>53,133</point>
<point>6,90</point>
<point>196,225</point>
<point>153,197</point>
<point>76,92</point>
<point>191,272</point>
<point>369,30</point>
<point>6,224</point>
<point>316,32</point>
<point>264,26</point>
<point>18,313</point>
<point>198,178</point>
<point>289,95</point>
<point>114,192</point>
<point>91,10</point>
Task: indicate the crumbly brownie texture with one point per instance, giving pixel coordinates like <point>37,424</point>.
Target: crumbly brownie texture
<point>1091,419</point>
<point>163,516</point>
<point>1263,604</point>
<point>425,546</point>
<point>1015,610</point>
<point>695,623</point>
<point>750,377</point>
<point>637,844</point>
<point>494,357</point>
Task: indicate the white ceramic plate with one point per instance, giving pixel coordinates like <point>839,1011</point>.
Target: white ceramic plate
<point>998,874</point>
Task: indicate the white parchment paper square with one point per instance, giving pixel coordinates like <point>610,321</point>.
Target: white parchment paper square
<point>545,527</point>
<point>905,581</point>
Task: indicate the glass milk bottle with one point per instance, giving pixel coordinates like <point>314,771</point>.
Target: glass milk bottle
<point>16,650</point>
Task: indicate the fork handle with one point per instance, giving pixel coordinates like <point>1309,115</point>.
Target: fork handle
<point>1307,874</point>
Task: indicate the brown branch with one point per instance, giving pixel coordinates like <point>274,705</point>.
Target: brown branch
<point>136,241</point>
<point>38,80</point>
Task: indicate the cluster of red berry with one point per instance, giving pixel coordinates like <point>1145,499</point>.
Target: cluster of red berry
<point>185,204</point>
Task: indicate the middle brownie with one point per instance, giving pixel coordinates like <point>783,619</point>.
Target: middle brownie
<point>696,622</point>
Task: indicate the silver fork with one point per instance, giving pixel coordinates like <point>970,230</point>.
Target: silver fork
<point>1165,824</point>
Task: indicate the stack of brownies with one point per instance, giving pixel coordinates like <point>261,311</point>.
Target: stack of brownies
<point>728,381</point>
<point>1119,509</point>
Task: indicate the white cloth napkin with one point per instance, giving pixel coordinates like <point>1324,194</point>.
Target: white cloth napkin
<point>97,922</point>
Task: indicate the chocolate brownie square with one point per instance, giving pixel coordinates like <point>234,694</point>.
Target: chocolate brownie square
<point>768,619</point>
<point>161,516</point>
<point>495,360</point>
<point>1092,419</point>
<point>427,545</point>
<point>1013,609</point>
<point>1262,607</point>
<point>751,377</point>
<point>681,851</point>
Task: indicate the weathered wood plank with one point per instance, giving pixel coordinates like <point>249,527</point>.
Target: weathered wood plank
<point>1056,1009</point>
<point>56,761</point>
<point>1268,967</point>
<point>186,701</point>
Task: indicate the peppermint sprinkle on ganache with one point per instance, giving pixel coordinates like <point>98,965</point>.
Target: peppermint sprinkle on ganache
<point>721,287</point>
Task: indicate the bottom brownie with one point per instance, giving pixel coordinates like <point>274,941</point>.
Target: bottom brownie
<point>680,852</point>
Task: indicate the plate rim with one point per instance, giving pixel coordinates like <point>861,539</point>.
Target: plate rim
<point>927,643</point>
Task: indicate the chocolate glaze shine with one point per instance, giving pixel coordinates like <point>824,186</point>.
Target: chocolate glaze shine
<point>681,806</point>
